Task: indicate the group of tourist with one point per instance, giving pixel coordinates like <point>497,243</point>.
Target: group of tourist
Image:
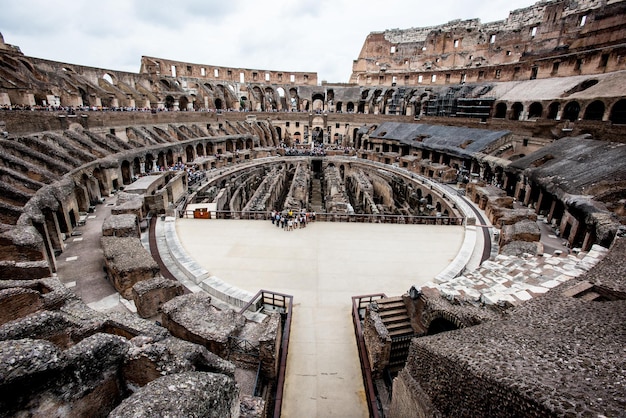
<point>290,220</point>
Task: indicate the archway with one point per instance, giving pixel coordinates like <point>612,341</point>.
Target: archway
<point>189,154</point>
<point>618,112</point>
<point>161,161</point>
<point>535,110</point>
<point>516,111</point>
<point>500,111</point>
<point>149,164</point>
<point>126,174</point>
<point>136,166</point>
<point>553,110</point>
<point>169,102</point>
<point>594,110</point>
<point>350,107</point>
<point>183,103</point>
<point>439,325</point>
<point>318,102</point>
<point>571,111</point>
<point>219,104</point>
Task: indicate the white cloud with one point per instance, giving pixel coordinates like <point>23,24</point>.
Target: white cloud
<point>322,36</point>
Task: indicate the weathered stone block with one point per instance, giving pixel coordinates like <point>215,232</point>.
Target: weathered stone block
<point>148,360</point>
<point>127,262</point>
<point>150,294</point>
<point>525,230</point>
<point>193,318</point>
<point>186,394</point>
<point>124,225</point>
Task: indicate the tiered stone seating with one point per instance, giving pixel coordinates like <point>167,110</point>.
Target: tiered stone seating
<point>512,280</point>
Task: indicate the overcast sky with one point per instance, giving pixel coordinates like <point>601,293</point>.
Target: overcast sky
<point>322,36</point>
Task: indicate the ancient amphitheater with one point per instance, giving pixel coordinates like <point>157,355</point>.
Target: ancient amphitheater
<point>498,147</point>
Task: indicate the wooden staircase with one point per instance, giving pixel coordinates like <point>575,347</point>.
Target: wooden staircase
<point>395,317</point>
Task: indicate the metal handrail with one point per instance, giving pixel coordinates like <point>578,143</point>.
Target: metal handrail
<point>358,303</point>
<point>283,301</point>
<point>341,217</point>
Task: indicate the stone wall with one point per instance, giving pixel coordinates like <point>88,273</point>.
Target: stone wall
<point>466,50</point>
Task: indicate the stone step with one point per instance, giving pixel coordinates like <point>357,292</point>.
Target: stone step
<point>402,332</point>
<point>392,326</point>
<point>395,321</point>
<point>393,312</point>
<point>390,303</point>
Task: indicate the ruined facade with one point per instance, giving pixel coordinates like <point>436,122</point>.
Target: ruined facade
<point>526,116</point>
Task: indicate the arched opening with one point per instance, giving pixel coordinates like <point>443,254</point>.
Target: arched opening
<point>169,161</point>
<point>282,98</point>
<point>169,102</point>
<point>149,165</point>
<point>500,111</point>
<point>189,155</point>
<point>618,113</point>
<point>126,173</point>
<point>339,107</point>
<point>84,97</point>
<point>271,100</point>
<point>199,150</point>
<point>219,104</point>
<point>107,77</point>
<point>97,174</point>
<point>183,103</point>
<point>553,110</point>
<point>571,111</point>
<point>516,111</point>
<point>439,325</point>
<point>350,107</point>
<point>136,167</point>
<point>293,100</point>
<point>161,161</point>
<point>318,102</point>
<point>535,110</point>
<point>594,110</point>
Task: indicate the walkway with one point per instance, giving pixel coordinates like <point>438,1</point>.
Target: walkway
<point>322,266</point>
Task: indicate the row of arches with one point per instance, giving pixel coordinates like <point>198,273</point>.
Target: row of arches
<point>571,111</point>
<point>149,162</point>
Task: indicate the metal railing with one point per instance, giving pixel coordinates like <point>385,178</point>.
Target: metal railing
<point>359,303</point>
<point>243,346</point>
<point>283,304</point>
<point>339,217</point>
